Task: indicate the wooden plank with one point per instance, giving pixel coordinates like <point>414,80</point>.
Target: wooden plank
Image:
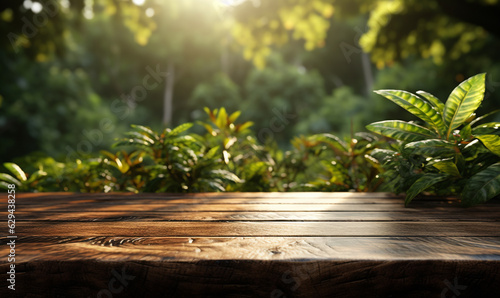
<point>253,195</point>
<point>223,198</point>
<point>48,201</point>
<point>125,216</point>
<point>134,207</point>
<point>256,229</point>
<point>115,248</point>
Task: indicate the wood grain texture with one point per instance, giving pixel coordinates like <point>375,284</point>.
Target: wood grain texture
<point>228,216</point>
<point>259,229</point>
<point>102,248</point>
<point>252,245</point>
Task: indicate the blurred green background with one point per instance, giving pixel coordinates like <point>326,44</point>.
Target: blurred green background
<point>75,74</point>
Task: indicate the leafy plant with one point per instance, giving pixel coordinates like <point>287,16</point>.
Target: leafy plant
<point>127,170</point>
<point>22,181</point>
<point>347,164</point>
<point>449,153</point>
<point>177,162</point>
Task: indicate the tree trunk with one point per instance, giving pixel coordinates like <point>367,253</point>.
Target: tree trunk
<point>367,72</point>
<point>169,92</point>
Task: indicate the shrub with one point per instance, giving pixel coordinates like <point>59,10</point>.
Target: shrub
<point>450,153</point>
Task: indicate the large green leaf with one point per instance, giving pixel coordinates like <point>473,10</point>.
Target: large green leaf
<point>463,101</point>
<point>8,178</point>
<point>487,128</point>
<point>434,101</point>
<point>482,186</point>
<point>422,184</point>
<point>448,167</point>
<point>16,170</point>
<point>432,148</point>
<point>401,130</point>
<point>492,142</point>
<point>417,106</point>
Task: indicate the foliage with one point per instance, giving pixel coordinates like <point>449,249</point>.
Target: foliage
<point>451,153</point>
<point>346,164</point>
<point>178,162</point>
<point>275,99</point>
<point>219,91</point>
<point>18,177</point>
<point>227,158</point>
<point>451,28</point>
<point>260,26</point>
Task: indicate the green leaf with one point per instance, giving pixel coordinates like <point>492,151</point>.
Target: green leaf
<point>331,140</point>
<point>122,167</point>
<point>422,184</point>
<point>492,142</point>
<point>108,154</point>
<point>432,148</point>
<point>482,186</point>
<point>484,116</point>
<point>417,106</point>
<point>463,101</point>
<point>145,131</point>
<point>36,175</point>
<point>8,178</point>
<point>4,185</point>
<point>487,128</point>
<point>243,126</point>
<point>221,118</point>
<point>211,153</point>
<point>131,142</point>
<point>213,185</point>
<point>234,116</point>
<point>434,101</point>
<point>448,167</point>
<point>401,130</point>
<point>181,128</point>
<point>225,175</point>
<point>383,154</point>
<point>466,132</point>
<point>16,170</point>
<point>185,140</point>
<point>140,136</point>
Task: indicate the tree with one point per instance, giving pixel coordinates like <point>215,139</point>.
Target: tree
<point>396,29</point>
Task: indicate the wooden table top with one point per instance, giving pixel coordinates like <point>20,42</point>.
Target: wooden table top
<point>252,245</point>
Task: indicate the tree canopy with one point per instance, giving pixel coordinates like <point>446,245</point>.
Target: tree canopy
<point>70,64</point>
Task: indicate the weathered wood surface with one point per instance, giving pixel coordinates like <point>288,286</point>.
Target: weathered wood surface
<point>252,245</point>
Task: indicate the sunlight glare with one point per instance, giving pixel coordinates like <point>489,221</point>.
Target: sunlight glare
<point>27,4</point>
<point>150,12</point>
<point>36,7</point>
<point>139,2</point>
<point>88,12</point>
